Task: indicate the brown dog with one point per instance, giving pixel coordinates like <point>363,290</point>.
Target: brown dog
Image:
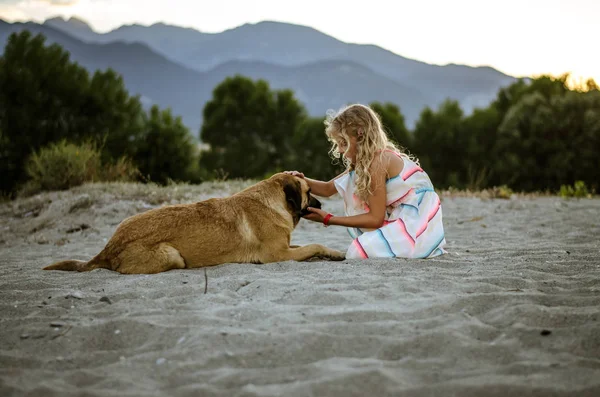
<point>252,226</point>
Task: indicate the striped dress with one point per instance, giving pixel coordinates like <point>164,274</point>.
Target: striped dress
<point>413,221</point>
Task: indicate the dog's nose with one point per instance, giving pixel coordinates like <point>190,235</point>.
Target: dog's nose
<point>314,203</point>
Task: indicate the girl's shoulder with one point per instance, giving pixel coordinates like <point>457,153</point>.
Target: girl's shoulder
<point>390,153</point>
<point>389,162</point>
<point>404,158</point>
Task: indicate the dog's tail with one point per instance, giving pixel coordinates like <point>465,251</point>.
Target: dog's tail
<point>79,266</point>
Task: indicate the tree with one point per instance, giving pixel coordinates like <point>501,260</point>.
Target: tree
<point>166,150</point>
<point>289,117</point>
<point>550,141</point>
<point>483,161</point>
<point>248,127</point>
<point>547,86</point>
<point>40,90</point>
<point>479,136</point>
<point>311,151</point>
<point>591,85</point>
<point>112,116</point>
<point>44,98</point>
<point>440,144</point>
<point>393,123</point>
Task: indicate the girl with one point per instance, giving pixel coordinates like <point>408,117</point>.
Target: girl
<point>391,208</point>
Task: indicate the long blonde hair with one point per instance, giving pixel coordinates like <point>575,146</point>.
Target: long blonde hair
<point>364,123</point>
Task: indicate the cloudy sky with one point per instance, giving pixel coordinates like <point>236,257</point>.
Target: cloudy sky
<point>518,37</point>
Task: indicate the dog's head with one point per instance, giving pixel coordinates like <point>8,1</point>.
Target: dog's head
<point>297,195</point>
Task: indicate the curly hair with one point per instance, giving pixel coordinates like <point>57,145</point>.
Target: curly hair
<point>364,123</point>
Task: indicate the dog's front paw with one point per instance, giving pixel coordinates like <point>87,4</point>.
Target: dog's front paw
<point>335,255</point>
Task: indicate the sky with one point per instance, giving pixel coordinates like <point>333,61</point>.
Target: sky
<point>517,37</point>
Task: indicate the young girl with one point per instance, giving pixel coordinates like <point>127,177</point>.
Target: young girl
<point>391,208</point>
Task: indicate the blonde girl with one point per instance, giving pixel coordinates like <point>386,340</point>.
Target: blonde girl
<point>391,208</point>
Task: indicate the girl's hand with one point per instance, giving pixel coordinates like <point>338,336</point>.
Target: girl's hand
<point>294,173</point>
<point>316,215</point>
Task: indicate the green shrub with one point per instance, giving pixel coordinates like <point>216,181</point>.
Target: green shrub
<point>503,192</point>
<point>63,165</point>
<point>579,189</point>
<point>123,170</point>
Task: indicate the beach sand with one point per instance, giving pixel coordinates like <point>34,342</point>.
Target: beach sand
<point>512,309</point>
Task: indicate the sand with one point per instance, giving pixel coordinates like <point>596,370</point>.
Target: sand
<point>512,309</point>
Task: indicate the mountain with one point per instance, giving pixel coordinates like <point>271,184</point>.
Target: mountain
<point>287,44</point>
<point>74,26</point>
<point>320,85</point>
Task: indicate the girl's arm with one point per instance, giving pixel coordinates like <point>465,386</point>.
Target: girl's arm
<point>376,215</point>
<point>374,219</point>
<point>323,189</point>
<point>319,188</point>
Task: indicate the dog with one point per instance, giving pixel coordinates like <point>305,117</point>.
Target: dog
<point>251,226</point>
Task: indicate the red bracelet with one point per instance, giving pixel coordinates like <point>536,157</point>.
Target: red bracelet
<point>326,219</point>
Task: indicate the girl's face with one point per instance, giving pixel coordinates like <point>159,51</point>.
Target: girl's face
<point>347,148</point>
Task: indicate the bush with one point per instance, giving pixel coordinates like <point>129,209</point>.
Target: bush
<point>64,165</point>
<point>123,170</point>
<point>579,189</point>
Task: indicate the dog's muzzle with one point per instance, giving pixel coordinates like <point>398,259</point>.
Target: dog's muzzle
<point>314,203</point>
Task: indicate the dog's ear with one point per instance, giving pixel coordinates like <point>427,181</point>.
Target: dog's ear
<point>293,195</point>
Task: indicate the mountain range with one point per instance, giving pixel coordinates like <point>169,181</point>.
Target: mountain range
<point>179,67</point>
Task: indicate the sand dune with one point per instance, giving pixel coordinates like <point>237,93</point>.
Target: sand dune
<point>513,309</point>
